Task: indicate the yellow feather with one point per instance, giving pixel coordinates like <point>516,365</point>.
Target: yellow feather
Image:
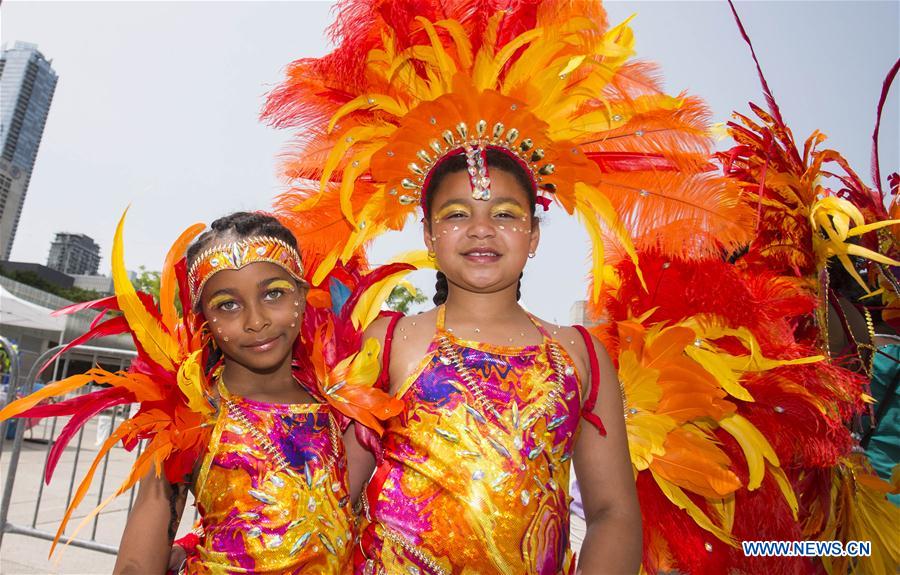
<point>446,67</point>
<point>491,75</point>
<point>326,266</point>
<point>572,65</point>
<point>675,494</point>
<point>190,382</point>
<point>348,139</point>
<point>481,70</point>
<point>597,251</point>
<point>159,346</point>
<point>855,250</point>
<point>358,166</point>
<point>369,304</point>
<point>167,278</point>
<point>414,85</point>
<point>725,510</point>
<point>460,39</point>
<point>716,365</point>
<point>860,230</point>
<point>756,448</point>
<point>524,69</point>
<point>370,101</point>
<point>597,202</point>
<point>365,367</point>
<point>784,485</point>
<point>373,227</point>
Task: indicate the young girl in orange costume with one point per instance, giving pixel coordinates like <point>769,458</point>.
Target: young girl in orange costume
<point>474,472</point>
<point>236,408</point>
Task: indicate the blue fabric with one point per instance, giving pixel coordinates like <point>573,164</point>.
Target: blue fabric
<point>339,295</point>
<point>884,447</point>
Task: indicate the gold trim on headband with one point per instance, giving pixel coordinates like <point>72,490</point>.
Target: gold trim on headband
<point>236,255</point>
<point>473,146</point>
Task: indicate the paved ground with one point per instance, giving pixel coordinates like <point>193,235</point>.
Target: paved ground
<point>21,554</point>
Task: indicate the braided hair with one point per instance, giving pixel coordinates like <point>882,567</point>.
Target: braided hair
<point>496,160</point>
<point>238,225</point>
<point>241,225</point>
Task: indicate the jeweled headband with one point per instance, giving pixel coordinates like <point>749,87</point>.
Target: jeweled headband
<point>236,255</point>
<point>474,147</point>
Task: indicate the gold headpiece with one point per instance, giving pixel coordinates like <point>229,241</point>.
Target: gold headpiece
<point>547,83</point>
<point>236,255</point>
<point>474,147</point>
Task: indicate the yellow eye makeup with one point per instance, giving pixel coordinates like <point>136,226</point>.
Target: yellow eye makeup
<point>511,208</point>
<point>280,284</point>
<point>218,300</point>
<point>450,210</point>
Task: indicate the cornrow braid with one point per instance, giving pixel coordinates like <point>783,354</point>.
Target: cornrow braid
<point>243,225</point>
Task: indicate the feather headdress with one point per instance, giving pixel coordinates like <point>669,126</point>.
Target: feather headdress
<point>549,82</point>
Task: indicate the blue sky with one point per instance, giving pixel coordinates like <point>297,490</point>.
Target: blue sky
<point>157,106</point>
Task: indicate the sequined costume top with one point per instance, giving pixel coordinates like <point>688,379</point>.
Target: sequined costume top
<point>475,471</point>
<point>272,491</point>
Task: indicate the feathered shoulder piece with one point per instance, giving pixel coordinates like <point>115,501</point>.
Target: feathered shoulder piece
<point>334,359</point>
<point>168,377</point>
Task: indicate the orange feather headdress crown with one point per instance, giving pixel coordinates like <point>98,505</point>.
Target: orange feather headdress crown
<point>548,83</point>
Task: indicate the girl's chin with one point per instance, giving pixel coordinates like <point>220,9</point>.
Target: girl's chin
<point>263,362</point>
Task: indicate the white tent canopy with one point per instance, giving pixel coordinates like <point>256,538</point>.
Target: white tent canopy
<point>16,312</point>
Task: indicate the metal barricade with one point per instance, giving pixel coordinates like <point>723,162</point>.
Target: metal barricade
<point>13,384</point>
<point>32,529</point>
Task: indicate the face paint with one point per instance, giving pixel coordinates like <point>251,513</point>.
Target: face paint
<point>450,210</point>
<point>216,301</point>
<point>280,284</point>
<point>509,208</point>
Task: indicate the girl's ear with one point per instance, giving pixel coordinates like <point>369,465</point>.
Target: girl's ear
<point>535,234</point>
<point>426,235</point>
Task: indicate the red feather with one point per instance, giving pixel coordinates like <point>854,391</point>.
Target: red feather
<point>100,400</point>
<point>104,303</point>
<point>112,326</point>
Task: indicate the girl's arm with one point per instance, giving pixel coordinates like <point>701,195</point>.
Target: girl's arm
<point>613,541</point>
<point>360,463</point>
<point>151,527</point>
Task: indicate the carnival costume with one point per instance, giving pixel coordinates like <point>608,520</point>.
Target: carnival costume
<point>737,418</point>
<point>271,486</point>
<point>477,468</point>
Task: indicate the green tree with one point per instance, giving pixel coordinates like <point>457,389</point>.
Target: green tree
<point>403,296</point>
<point>148,282</point>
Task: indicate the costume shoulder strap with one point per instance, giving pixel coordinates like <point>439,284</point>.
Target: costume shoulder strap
<point>540,327</point>
<point>587,407</point>
<point>384,379</point>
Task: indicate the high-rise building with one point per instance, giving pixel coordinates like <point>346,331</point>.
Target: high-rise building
<point>74,254</point>
<point>27,82</point>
